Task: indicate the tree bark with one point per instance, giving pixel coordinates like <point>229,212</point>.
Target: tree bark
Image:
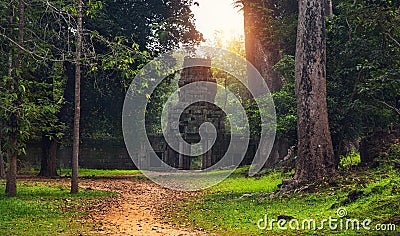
<point>9,74</point>
<point>77,116</point>
<point>2,166</point>
<point>11,179</point>
<point>315,157</point>
<point>329,8</point>
<point>48,166</point>
<point>21,25</point>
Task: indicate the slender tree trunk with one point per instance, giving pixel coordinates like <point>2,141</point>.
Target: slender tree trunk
<point>329,8</point>
<point>21,25</point>
<point>11,182</point>
<point>48,166</point>
<point>2,170</point>
<point>75,148</point>
<point>316,158</point>
<point>10,68</point>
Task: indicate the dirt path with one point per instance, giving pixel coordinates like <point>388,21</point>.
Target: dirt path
<point>137,212</point>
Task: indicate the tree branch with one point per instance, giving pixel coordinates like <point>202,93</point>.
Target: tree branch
<point>394,40</point>
<point>390,106</point>
<point>35,55</point>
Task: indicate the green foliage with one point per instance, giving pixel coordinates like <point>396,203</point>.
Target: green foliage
<point>285,100</point>
<point>274,21</point>
<point>115,48</point>
<point>31,94</point>
<point>123,47</point>
<point>157,25</point>
<point>285,104</point>
<point>156,103</point>
<point>392,155</point>
<point>285,24</point>
<point>351,159</point>
<point>93,7</point>
<point>30,109</point>
<point>254,118</point>
<point>363,59</point>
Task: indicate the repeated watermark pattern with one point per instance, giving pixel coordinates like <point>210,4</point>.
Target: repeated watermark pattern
<point>341,222</point>
<point>162,67</point>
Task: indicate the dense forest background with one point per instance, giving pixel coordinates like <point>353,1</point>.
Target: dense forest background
<point>39,42</point>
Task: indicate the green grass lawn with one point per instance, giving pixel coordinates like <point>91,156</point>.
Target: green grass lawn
<point>234,206</point>
<point>45,208</point>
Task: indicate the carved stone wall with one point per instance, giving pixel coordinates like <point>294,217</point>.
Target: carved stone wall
<point>196,114</point>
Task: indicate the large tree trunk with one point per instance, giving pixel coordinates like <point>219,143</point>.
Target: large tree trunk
<point>48,166</point>
<point>315,157</point>
<point>77,117</point>
<point>261,50</point>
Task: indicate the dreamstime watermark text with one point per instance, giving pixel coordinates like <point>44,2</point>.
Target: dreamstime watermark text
<point>338,223</point>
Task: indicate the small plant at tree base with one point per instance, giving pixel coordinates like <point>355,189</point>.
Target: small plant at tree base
<point>352,159</point>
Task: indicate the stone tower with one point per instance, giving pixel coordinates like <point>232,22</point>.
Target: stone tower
<point>197,113</point>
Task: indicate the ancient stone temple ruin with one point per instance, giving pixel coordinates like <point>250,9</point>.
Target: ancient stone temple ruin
<point>189,122</point>
<point>196,114</point>
<point>190,118</point>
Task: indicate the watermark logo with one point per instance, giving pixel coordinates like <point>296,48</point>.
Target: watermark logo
<point>338,223</point>
<point>341,212</point>
<point>168,65</point>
